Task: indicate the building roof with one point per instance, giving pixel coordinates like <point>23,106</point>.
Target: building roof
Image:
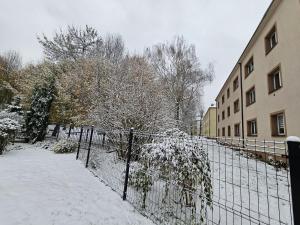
<point>270,11</point>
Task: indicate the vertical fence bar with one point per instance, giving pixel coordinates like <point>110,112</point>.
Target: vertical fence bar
<point>87,135</point>
<point>128,163</point>
<point>294,159</point>
<point>70,128</point>
<point>103,139</point>
<point>89,148</point>
<point>58,131</point>
<point>79,142</point>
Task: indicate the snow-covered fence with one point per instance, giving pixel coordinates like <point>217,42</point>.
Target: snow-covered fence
<point>178,179</point>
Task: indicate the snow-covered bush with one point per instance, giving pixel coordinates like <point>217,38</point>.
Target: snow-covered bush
<point>3,141</point>
<point>38,116</point>
<point>8,128</point>
<point>64,146</point>
<point>182,164</point>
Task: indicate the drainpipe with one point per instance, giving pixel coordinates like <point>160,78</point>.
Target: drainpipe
<point>209,122</point>
<point>216,118</point>
<point>242,103</point>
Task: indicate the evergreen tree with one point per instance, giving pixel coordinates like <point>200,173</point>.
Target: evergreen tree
<point>38,116</point>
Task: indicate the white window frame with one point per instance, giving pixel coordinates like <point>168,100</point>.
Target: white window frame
<point>253,127</point>
<point>278,123</point>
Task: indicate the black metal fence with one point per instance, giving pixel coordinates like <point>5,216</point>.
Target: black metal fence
<point>175,179</point>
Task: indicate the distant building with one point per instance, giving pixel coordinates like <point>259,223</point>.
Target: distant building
<point>261,97</point>
<point>209,124</point>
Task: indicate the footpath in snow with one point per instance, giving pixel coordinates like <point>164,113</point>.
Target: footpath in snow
<point>40,187</point>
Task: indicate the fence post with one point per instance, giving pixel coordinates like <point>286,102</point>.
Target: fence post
<point>79,142</point>
<point>294,159</point>
<point>87,135</point>
<point>58,131</point>
<point>89,148</point>
<point>70,128</point>
<point>103,139</point>
<point>128,163</point>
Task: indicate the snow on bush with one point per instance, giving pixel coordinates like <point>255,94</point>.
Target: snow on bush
<point>64,146</point>
<point>181,163</point>
<point>8,128</point>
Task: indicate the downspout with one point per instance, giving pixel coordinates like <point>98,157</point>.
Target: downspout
<point>217,118</point>
<point>242,104</point>
<point>209,122</point>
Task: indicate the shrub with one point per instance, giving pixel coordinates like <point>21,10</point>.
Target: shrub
<point>65,146</point>
<point>3,141</point>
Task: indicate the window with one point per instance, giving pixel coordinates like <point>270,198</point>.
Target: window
<point>218,118</point>
<point>249,67</point>
<point>278,124</point>
<point>228,93</point>
<point>274,80</point>
<point>271,39</point>
<point>252,127</point>
<point>236,106</point>
<point>228,111</point>
<point>223,115</point>
<point>250,96</point>
<point>223,99</point>
<point>229,131</point>
<point>223,131</point>
<point>235,84</point>
<point>237,130</point>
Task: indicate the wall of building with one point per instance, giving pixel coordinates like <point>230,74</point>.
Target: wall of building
<point>209,123</point>
<point>286,54</point>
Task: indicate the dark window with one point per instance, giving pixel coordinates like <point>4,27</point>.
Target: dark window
<point>278,124</point>
<point>237,130</point>
<point>250,96</point>
<point>223,115</point>
<point>271,39</point>
<point>252,127</point>
<point>218,118</point>
<point>249,67</point>
<point>223,131</point>
<point>274,80</point>
<point>235,84</point>
<point>236,106</point>
<point>228,111</point>
<point>229,131</point>
<point>228,92</point>
<point>223,99</point>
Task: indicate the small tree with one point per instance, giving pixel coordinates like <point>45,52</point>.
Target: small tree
<point>38,116</point>
<point>183,165</point>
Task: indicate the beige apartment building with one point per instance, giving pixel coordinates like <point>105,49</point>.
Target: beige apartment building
<point>261,97</point>
<point>209,123</point>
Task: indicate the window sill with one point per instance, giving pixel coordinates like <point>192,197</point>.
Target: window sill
<point>278,135</point>
<point>271,92</point>
<point>250,104</point>
<point>269,50</point>
<point>247,75</point>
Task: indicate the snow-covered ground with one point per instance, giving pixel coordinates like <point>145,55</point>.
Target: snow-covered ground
<point>40,187</point>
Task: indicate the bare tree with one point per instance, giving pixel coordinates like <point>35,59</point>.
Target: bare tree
<point>74,44</point>
<point>10,62</point>
<point>180,71</point>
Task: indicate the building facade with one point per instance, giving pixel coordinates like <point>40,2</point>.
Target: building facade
<point>261,97</point>
<point>209,123</point>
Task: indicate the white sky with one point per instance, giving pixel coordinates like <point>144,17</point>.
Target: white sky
<point>219,29</point>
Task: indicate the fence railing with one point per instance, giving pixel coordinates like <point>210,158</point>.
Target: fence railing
<point>178,179</point>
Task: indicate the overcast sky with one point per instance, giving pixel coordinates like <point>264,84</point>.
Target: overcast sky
<point>219,29</point>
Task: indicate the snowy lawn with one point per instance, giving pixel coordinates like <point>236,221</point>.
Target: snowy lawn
<point>40,187</point>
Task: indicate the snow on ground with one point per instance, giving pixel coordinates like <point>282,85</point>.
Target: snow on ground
<point>40,187</point>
